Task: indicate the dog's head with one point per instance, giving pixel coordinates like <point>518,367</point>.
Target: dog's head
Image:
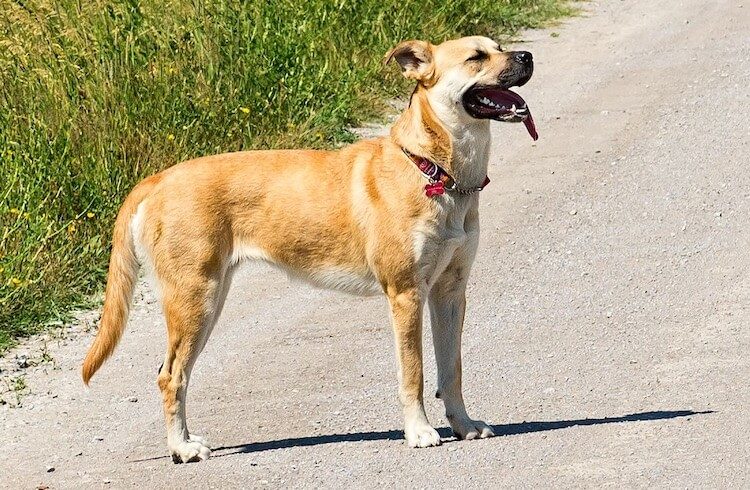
<point>470,76</point>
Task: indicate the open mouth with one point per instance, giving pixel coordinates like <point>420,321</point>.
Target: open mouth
<point>499,104</point>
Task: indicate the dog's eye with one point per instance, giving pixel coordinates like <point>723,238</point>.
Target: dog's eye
<point>478,56</point>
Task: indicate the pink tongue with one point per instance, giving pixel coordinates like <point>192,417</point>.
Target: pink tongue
<point>529,121</point>
<point>531,127</point>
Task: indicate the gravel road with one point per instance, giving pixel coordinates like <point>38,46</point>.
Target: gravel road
<point>608,326</point>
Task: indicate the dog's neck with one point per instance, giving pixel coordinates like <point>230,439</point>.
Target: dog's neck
<point>444,134</point>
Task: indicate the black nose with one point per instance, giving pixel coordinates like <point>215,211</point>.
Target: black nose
<point>523,57</point>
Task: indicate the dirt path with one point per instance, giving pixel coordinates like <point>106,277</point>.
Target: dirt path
<point>608,332</point>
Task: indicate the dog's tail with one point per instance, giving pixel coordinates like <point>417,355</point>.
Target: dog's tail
<point>123,272</point>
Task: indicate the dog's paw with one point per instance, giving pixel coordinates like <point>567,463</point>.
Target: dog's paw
<point>471,429</point>
<point>197,438</point>
<point>192,451</point>
<point>421,435</point>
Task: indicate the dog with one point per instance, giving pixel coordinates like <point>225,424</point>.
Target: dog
<point>396,216</point>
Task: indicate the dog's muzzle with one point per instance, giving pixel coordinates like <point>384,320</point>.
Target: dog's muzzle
<point>498,102</point>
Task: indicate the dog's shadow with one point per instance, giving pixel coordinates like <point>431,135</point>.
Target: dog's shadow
<point>445,432</point>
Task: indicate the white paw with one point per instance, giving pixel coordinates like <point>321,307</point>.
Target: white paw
<point>191,451</point>
<point>468,429</point>
<point>197,438</point>
<point>421,435</point>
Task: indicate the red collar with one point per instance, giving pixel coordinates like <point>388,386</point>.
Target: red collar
<point>440,180</point>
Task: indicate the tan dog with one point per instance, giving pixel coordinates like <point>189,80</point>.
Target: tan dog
<point>396,215</point>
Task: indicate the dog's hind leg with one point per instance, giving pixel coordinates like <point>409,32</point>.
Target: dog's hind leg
<point>191,309</point>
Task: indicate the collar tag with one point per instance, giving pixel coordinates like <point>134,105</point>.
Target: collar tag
<point>434,189</point>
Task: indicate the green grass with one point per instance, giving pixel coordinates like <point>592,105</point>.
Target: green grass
<point>96,95</point>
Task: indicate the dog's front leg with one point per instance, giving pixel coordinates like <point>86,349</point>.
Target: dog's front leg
<point>447,302</point>
<point>406,313</point>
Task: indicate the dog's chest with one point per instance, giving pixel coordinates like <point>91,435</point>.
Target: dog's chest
<point>441,241</point>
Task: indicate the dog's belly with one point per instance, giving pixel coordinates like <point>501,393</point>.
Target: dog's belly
<point>339,278</point>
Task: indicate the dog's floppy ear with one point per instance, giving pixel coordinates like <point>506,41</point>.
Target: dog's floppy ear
<point>415,59</point>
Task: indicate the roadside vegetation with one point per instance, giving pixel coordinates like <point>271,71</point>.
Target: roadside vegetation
<point>96,95</point>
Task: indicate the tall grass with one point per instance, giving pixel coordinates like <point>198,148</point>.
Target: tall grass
<point>95,95</point>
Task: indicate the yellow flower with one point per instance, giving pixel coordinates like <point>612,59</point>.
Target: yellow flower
<point>15,282</point>
<point>26,215</point>
<point>72,228</point>
<point>89,215</point>
<point>170,137</point>
<point>15,211</point>
<point>245,110</point>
